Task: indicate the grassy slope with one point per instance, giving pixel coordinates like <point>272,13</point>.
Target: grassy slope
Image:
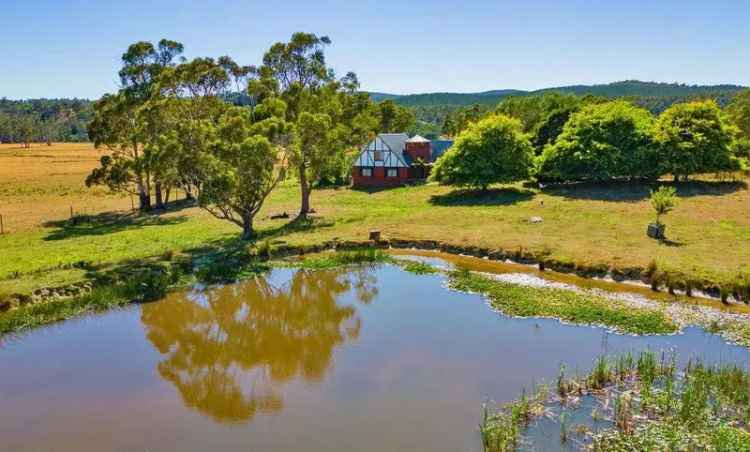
<point>710,230</point>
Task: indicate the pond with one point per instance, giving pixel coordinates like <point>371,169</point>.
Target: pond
<point>369,359</point>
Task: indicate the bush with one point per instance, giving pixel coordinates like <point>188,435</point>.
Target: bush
<point>493,150</point>
<point>693,138</point>
<point>603,142</point>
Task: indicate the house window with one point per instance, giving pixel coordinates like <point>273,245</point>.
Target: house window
<point>366,172</point>
<point>391,172</point>
<point>378,156</point>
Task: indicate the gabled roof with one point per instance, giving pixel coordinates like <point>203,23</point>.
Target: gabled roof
<point>395,141</point>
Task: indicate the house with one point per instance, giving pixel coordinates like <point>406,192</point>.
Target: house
<point>393,159</point>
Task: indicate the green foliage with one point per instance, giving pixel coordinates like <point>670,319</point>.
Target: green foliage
<point>344,258</point>
<point>663,201</point>
<point>738,111</point>
<point>44,120</point>
<point>693,138</point>
<point>522,301</point>
<point>240,172</point>
<point>146,286</point>
<point>419,268</point>
<point>494,150</point>
<point>603,142</point>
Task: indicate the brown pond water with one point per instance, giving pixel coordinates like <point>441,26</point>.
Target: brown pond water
<point>367,359</point>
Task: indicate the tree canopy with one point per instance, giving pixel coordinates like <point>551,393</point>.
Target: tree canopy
<point>693,138</point>
<point>493,150</point>
<point>601,142</point>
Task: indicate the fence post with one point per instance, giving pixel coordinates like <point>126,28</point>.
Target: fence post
<point>71,211</point>
<point>2,230</point>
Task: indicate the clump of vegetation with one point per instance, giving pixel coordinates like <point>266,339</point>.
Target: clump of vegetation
<point>494,150</point>
<point>146,286</point>
<point>644,404</point>
<point>603,141</point>
<point>344,258</point>
<point>500,430</point>
<point>419,268</point>
<point>663,201</point>
<point>517,300</point>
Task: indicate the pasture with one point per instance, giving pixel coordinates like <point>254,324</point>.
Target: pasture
<point>708,232</point>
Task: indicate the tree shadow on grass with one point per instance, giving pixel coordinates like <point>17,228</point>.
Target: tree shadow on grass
<point>106,223</point>
<point>492,197</point>
<point>623,191</point>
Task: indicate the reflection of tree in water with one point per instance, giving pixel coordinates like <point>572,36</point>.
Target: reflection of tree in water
<point>228,349</point>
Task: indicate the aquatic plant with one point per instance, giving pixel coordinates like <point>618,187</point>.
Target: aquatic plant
<point>651,406</point>
<point>419,268</point>
<point>344,258</point>
<point>522,301</point>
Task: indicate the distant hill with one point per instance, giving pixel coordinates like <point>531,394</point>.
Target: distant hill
<point>626,88</point>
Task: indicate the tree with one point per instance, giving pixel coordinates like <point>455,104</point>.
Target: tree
<point>393,117</point>
<point>603,142</point>
<point>693,138</point>
<point>738,112</point>
<point>242,169</point>
<point>493,150</point>
<point>128,126</point>
<point>663,201</point>
<point>296,72</point>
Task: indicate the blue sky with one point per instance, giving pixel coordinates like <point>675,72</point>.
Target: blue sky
<point>71,48</point>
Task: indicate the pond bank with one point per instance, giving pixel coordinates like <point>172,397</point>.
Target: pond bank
<point>226,265</point>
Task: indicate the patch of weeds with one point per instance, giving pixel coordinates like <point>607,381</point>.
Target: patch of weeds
<point>419,268</point>
<point>516,300</point>
<point>645,405</point>
<point>500,429</point>
<point>344,258</point>
<point>147,286</point>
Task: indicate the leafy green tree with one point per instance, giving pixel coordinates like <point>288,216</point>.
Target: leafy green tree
<point>128,125</point>
<point>296,72</point>
<point>693,138</point>
<point>738,111</point>
<point>602,142</point>
<point>394,118</point>
<point>493,150</point>
<point>241,171</point>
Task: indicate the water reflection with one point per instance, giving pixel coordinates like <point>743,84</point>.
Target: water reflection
<point>229,350</point>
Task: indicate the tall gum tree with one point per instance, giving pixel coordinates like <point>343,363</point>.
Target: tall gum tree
<point>297,73</point>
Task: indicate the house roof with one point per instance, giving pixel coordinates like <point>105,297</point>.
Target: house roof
<point>417,139</point>
<point>439,147</point>
<point>395,141</point>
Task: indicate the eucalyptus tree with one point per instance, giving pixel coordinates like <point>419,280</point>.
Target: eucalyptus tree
<point>124,122</point>
<point>296,72</point>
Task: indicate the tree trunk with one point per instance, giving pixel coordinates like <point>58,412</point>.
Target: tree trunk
<point>166,195</point>
<point>248,233</point>
<point>144,201</point>
<point>157,193</point>
<point>305,192</point>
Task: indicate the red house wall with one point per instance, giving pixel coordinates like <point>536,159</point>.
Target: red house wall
<point>378,178</point>
<point>419,150</point>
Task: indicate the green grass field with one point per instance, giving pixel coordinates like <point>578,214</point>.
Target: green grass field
<point>709,231</point>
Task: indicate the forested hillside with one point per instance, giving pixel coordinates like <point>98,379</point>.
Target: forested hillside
<point>44,120</point>
<point>432,109</point>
